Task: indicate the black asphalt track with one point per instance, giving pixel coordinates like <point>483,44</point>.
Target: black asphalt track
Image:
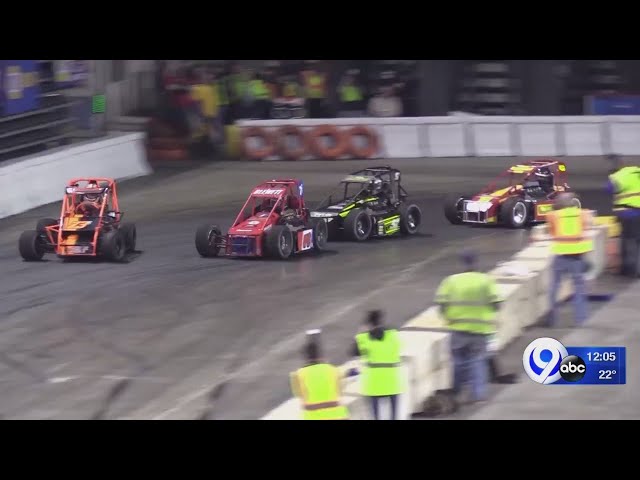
<point>154,337</point>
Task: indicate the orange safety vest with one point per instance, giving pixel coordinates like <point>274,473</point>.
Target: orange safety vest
<point>567,230</point>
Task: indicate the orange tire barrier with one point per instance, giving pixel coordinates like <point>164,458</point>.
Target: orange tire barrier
<point>330,153</point>
<point>270,144</point>
<point>295,153</point>
<point>158,128</point>
<point>371,147</point>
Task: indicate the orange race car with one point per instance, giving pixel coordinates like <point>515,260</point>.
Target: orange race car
<point>90,225</point>
<point>522,195</point>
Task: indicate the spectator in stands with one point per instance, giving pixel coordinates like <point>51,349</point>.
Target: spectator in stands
<point>239,92</point>
<point>385,104</point>
<point>205,97</point>
<point>315,87</point>
<point>220,84</point>
<point>260,97</point>
<point>177,90</point>
<point>351,95</point>
<point>290,104</point>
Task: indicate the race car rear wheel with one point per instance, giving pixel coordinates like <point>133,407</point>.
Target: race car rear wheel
<point>514,213</point>
<point>208,240</point>
<point>410,218</point>
<point>320,233</point>
<point>130,236</point>
<point>31,246</point>
<point>279,242</point>
<point>113,246</point>
<point>358,225</point>
<point>43,223</point>
<point>453,208</point>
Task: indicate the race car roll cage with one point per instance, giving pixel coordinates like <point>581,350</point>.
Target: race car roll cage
<point>529,169</point>
<point>394,176</point>
<point>290,189</point>
<point>73,188</point>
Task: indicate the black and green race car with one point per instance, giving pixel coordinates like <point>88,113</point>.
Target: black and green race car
<point>369,203</point>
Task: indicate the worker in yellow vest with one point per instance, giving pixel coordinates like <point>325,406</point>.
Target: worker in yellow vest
<point>570,243</point>
<point>624,186</point>
<point>469,301</point>
<point>261,97</point>
<point>315,88</point>
<point>317,385</point>
<point>380,349</point>
<point>351,97</point>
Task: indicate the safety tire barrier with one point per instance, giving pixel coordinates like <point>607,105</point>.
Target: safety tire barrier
<point>302,139</point>
<point>340,142</point>
<point>371,147</point>
<point>311,144</point>
<point>269,141</point>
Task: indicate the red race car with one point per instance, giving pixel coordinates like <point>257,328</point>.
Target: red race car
<point>520,196</point>
<point>273,222</point>
<point>90,225</point>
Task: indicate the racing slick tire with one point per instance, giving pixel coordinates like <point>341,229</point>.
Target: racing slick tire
<point>45,222</point>
<point>208,240</point>
<point>358,225</point>
<point>320,233</point>
<point>279,242</point>
<point>514,213</point>
<point>452,210</point>
<point>410,219</point>
<point>113,246</point>
<point>130,236</point>
<point>31,246</point>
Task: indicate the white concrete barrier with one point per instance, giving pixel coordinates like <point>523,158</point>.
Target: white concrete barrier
<point>481,136</point>
<point>35,181</point>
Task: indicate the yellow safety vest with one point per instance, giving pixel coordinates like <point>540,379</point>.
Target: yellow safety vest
<point>259,90</point>
<point>381,372</point>
<point>350,93</point>
<point>468,300</point>
<point>318,386</point>
<point>627,183</point>
<point>568,232</point>
<point>238,86</point>
<point>315,86</point>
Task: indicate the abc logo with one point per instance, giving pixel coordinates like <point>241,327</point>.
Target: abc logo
<point>572,368</point>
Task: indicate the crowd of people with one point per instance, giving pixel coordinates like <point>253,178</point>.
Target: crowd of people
<point>200,99</point>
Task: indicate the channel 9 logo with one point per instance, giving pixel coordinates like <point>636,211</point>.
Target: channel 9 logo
<point>546,361</point>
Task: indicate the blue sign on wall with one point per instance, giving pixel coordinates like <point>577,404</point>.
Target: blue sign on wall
<point>19,85</point>
<point>613,105</point>
<point>71,73</point>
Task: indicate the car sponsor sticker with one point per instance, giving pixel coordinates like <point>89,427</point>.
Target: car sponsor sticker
<point>305,240</point>
<point>268,191</point>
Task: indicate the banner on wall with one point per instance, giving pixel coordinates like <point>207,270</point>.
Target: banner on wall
<point>19,86</point>
<point>71,73</point>
<point>613,104</point>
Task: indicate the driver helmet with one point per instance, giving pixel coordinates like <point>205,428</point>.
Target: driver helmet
<point>544,177</point>
<point>375,186</point>
<point>92,197</point>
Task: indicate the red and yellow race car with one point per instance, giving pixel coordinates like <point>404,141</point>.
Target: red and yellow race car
<point>520,196</point>
<point>273,222</point>
<point>90,225</point>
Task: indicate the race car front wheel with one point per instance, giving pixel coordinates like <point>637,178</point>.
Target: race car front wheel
<point>113,246</point>
<point>357,225</point>
<point>453,208</point>
<point>410,218</point>
<point>31,246</point>
<point>320,233</point>
<point>279,242</point>
<point>208,240</point>
<point>514,213</point>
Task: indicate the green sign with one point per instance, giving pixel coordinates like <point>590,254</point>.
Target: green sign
<point>98,104</point>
